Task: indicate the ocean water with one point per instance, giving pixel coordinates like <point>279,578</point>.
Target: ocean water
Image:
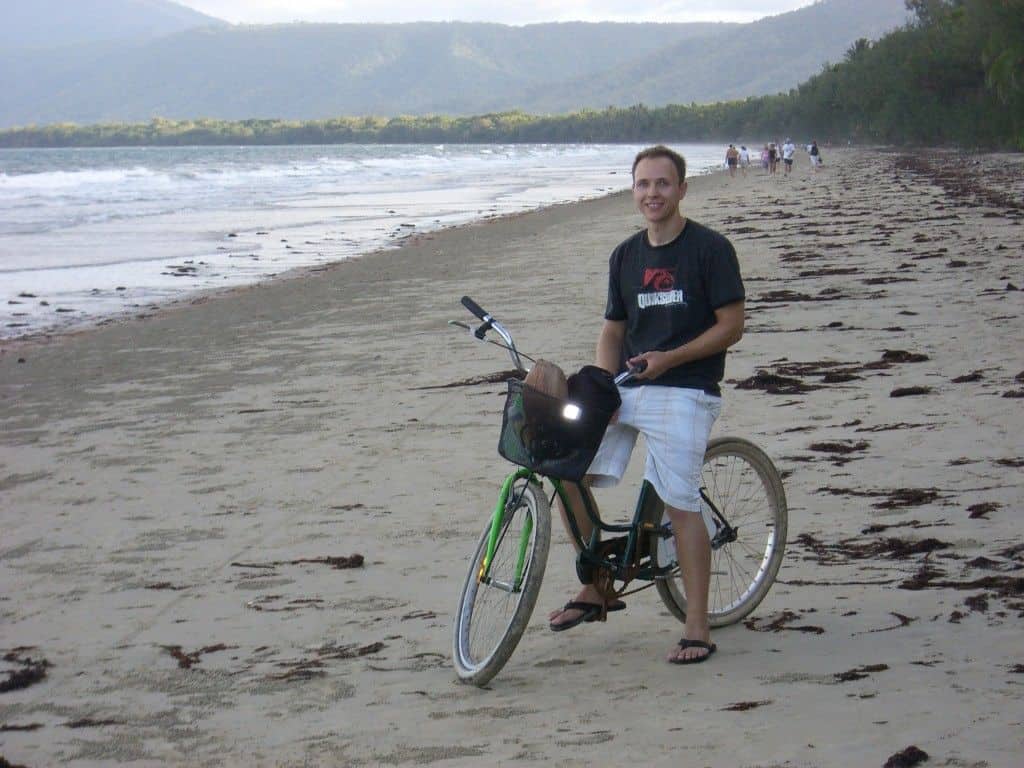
<point>88,235</point>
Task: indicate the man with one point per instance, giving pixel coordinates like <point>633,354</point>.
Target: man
<point>732,156</point>
<point>744,159</point>
<point>815,154</point>
<point>676,303</point>
<point>788,150</point>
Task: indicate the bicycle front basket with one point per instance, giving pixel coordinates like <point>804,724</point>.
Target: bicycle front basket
<point>549,435</point>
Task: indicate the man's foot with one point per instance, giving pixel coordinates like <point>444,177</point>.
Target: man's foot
<point>572,613</point>
<point>585,608</point>
<point>691,652</point>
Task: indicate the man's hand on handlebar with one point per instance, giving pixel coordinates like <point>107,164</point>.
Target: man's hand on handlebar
<point>649,365</point>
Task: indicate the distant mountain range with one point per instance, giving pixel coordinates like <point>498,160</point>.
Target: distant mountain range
<point>37,24</point>
<point>132,60</point>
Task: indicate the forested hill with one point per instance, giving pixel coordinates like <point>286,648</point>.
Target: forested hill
<point>951,77</point>
<point>49,24</point>
<point>766,57</point>
<point>308,71</point>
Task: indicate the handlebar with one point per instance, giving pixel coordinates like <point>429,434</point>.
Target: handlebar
<point>477,310</point>
<point>473,307</point>
<point>626,375</point>
<point>489,323</point>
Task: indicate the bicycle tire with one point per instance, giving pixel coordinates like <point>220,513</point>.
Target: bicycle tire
<point>489,620</point>
<point>745,486</point>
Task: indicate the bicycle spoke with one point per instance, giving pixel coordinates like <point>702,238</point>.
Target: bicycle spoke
<point>494,605</point>
<point>493,610</point>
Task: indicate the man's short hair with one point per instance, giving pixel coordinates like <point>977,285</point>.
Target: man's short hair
<point>660,150</point>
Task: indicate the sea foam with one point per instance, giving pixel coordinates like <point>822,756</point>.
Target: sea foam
<point>86,234</point>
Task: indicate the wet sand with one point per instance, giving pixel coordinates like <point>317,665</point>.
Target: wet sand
<point>233,533</point>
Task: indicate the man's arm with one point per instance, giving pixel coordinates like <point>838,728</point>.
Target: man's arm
<point>727,330</point>
<point>609,345</point>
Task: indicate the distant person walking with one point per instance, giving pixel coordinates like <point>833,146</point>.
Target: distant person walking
<point>815,154</point>
<point>732,158</point>
<point>744,159</point>
<point>788,150</point>
<point>773,159</point>
<point>764,157</point>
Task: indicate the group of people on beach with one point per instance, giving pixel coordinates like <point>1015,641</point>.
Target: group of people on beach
<point>771,153</point>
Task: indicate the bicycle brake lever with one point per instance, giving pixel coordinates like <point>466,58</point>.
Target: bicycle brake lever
<point>631,372</point>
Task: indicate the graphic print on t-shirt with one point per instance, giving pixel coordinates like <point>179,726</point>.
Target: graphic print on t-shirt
<point>659,289</point>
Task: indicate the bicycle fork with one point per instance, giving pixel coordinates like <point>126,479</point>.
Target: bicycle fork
<point>504,507</point>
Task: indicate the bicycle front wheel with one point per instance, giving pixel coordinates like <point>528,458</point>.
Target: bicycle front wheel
<point>496,604</point>
<point>743,484</point>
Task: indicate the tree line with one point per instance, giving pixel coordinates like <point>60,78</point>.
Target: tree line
<point>953,76</point>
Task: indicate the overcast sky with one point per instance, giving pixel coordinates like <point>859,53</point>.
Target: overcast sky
<point>509,12</point>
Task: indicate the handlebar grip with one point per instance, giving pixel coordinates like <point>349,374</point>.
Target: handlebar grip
<point>630,372</point>
<point>473,307</point>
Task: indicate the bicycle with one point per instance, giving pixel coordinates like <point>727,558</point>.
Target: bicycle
<point>743,501</point>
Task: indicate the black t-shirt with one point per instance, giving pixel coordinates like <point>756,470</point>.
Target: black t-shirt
<point>667,295</point>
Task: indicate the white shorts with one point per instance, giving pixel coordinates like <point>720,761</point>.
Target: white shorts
<point>676,424</point>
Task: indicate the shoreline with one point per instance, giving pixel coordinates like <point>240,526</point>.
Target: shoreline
<point>305,272</point>
<point>177,489</point>
<point>202,295</point>
<point>307,211</point>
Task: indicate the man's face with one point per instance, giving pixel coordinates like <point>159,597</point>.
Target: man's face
<point>657,190</point>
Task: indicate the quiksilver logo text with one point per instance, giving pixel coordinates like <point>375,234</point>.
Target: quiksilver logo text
<point>660,299</point>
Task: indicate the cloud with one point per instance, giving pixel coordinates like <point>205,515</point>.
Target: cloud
<point>523,12</point>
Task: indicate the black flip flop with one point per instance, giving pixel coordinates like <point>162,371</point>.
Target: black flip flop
<point>589,612</point>
<point>618,605</point>
<point>684,643</point>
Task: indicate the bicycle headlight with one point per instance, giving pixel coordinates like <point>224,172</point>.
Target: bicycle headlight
<point>571,412</point>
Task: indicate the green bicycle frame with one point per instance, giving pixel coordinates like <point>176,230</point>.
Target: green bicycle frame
<point>646,520</point>
<point>641,523</point>
<point>497,519</point>
<point>645,500</point>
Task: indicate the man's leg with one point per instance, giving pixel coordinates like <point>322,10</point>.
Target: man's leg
<point>579,514</point>
<point>693,549</point>
<point>607,467</point>
<point>588,593</point>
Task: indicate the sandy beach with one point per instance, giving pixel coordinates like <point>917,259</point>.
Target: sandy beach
<point>184,497</point>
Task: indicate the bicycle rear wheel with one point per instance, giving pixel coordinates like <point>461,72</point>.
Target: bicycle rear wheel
<point>492,614</point>
<point>743,484</point>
